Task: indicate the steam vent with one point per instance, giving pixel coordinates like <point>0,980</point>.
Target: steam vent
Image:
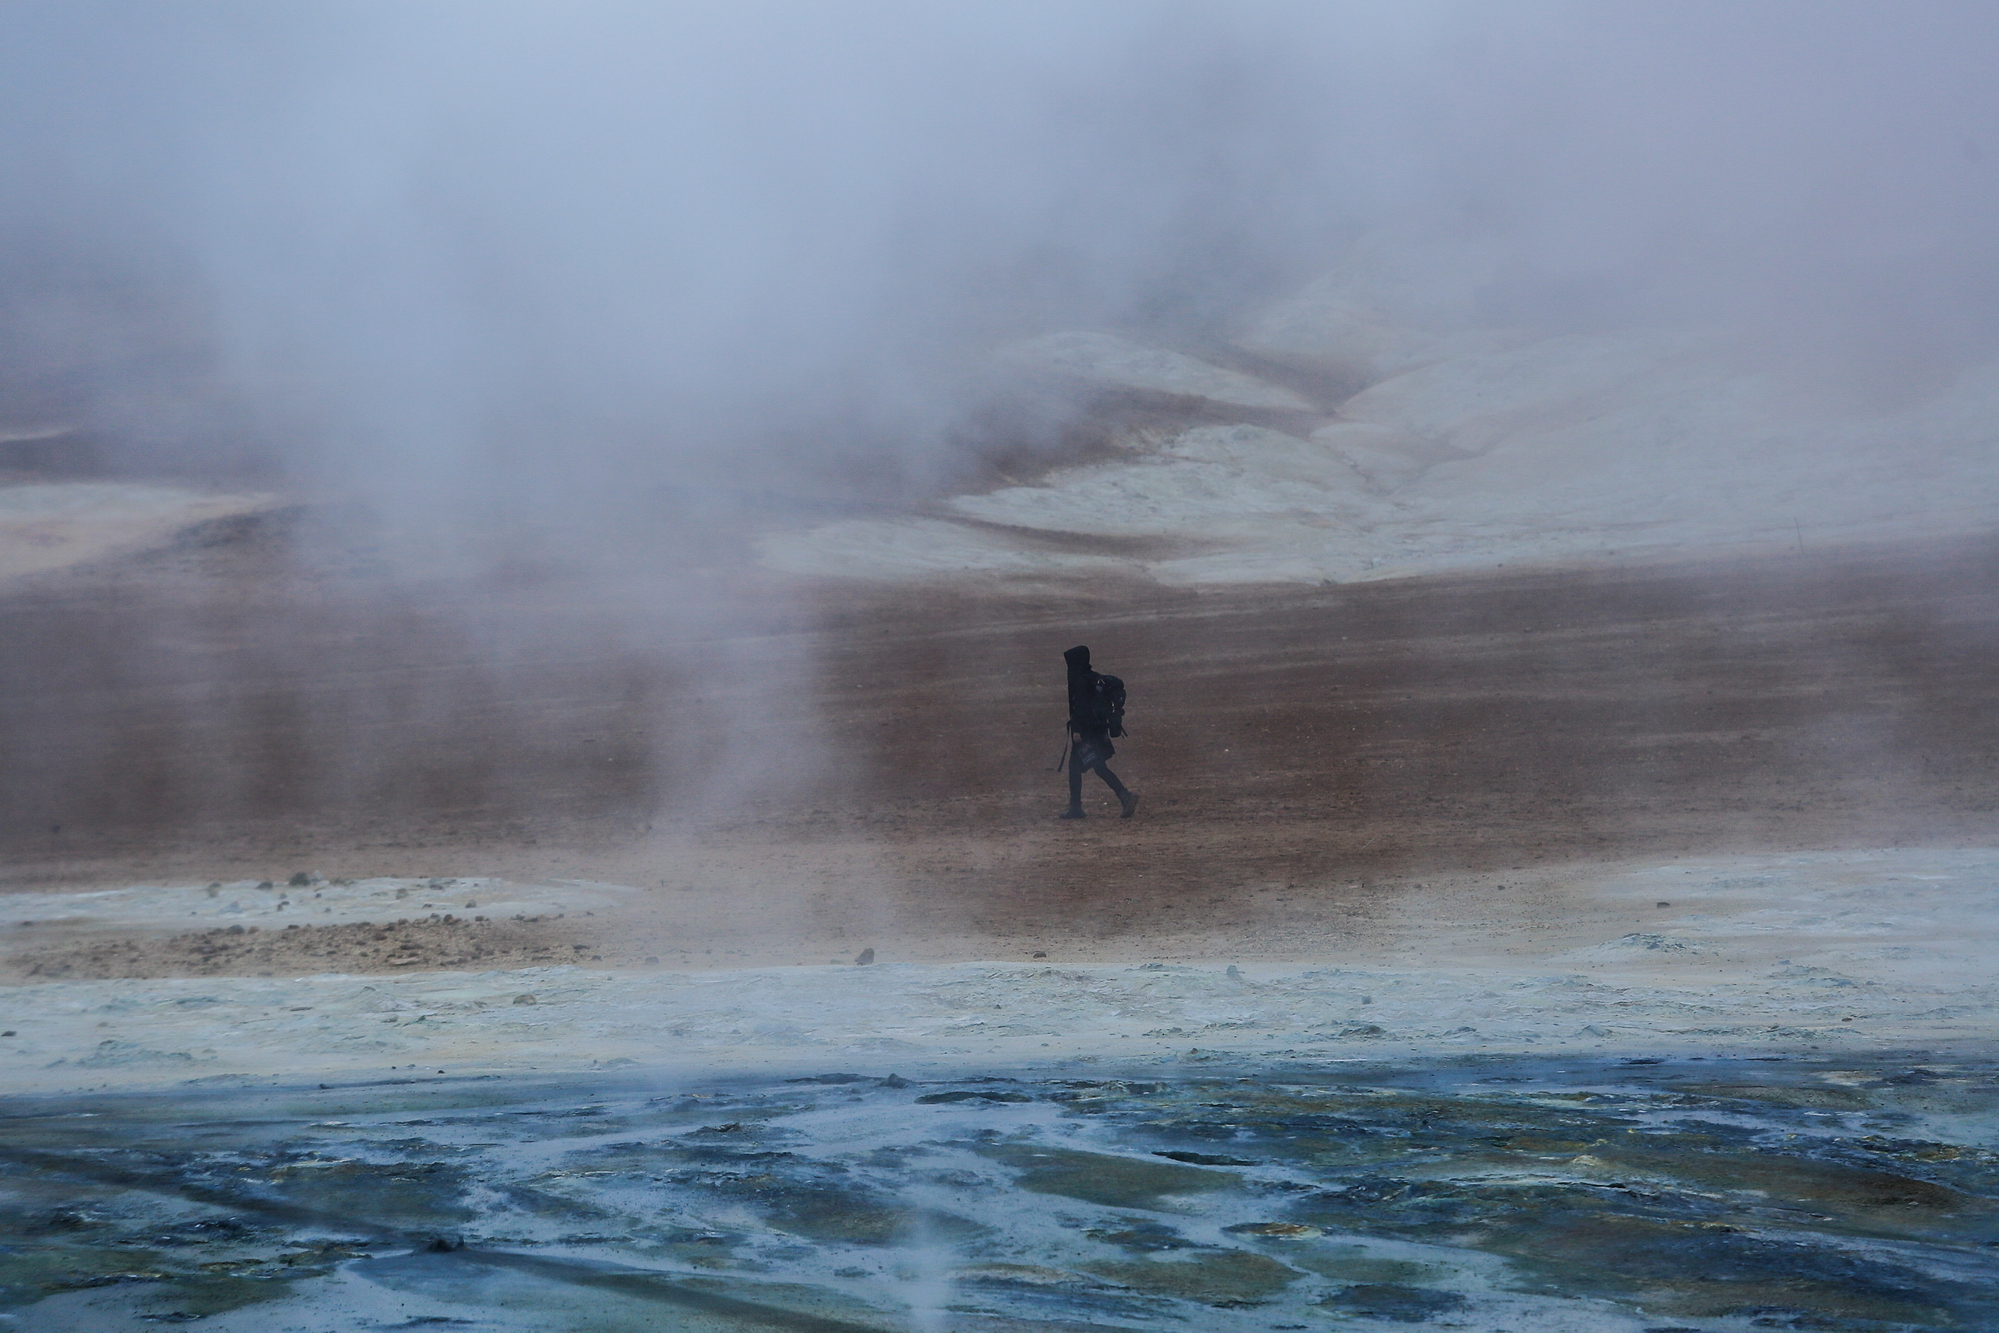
<point>786,668</point>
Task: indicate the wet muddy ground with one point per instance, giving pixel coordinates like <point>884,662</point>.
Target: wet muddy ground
<point>1856,1193</point>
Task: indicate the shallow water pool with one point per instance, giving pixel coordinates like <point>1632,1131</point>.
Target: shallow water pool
<point>1835,1194</point>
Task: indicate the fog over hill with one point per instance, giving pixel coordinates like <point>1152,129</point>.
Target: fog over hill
<point>566,273</point>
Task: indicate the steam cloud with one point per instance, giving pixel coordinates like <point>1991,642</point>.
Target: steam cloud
<point>536,262</point>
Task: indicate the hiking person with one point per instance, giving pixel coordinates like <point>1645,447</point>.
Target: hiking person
<point>1096,713</point>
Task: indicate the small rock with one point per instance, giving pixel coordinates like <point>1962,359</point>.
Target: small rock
<point>864,957</point>
<point>1234,972</point>
<point>525,998</point>
<point>1038,953</point>
<point>266,884</point>
<point>1275,1230</point>
<point>214,889</point>
<point>300,879</point>
<point>471,902</point>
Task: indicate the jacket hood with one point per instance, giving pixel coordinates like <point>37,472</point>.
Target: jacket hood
<point>1078,656</point>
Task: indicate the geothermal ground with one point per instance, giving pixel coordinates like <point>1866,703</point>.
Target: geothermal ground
<point>1360,1020</point>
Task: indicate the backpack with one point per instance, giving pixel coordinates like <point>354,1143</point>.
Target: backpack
<point>1107,704</point>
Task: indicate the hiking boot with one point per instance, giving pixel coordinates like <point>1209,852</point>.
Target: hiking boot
<point>1129,800</point>
<point>1072,814</point>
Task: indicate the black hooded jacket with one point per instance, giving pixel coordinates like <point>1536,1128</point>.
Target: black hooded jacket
<point>1082,683</point>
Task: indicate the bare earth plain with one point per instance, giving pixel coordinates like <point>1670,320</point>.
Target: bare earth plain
<point>787,773</point>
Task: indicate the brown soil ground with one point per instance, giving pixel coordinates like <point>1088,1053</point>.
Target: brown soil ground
<point>852,764</point>
<point>447,942</point>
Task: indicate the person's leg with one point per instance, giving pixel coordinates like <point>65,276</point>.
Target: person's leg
<point>1075,810</point>
<point>1127,799</point>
